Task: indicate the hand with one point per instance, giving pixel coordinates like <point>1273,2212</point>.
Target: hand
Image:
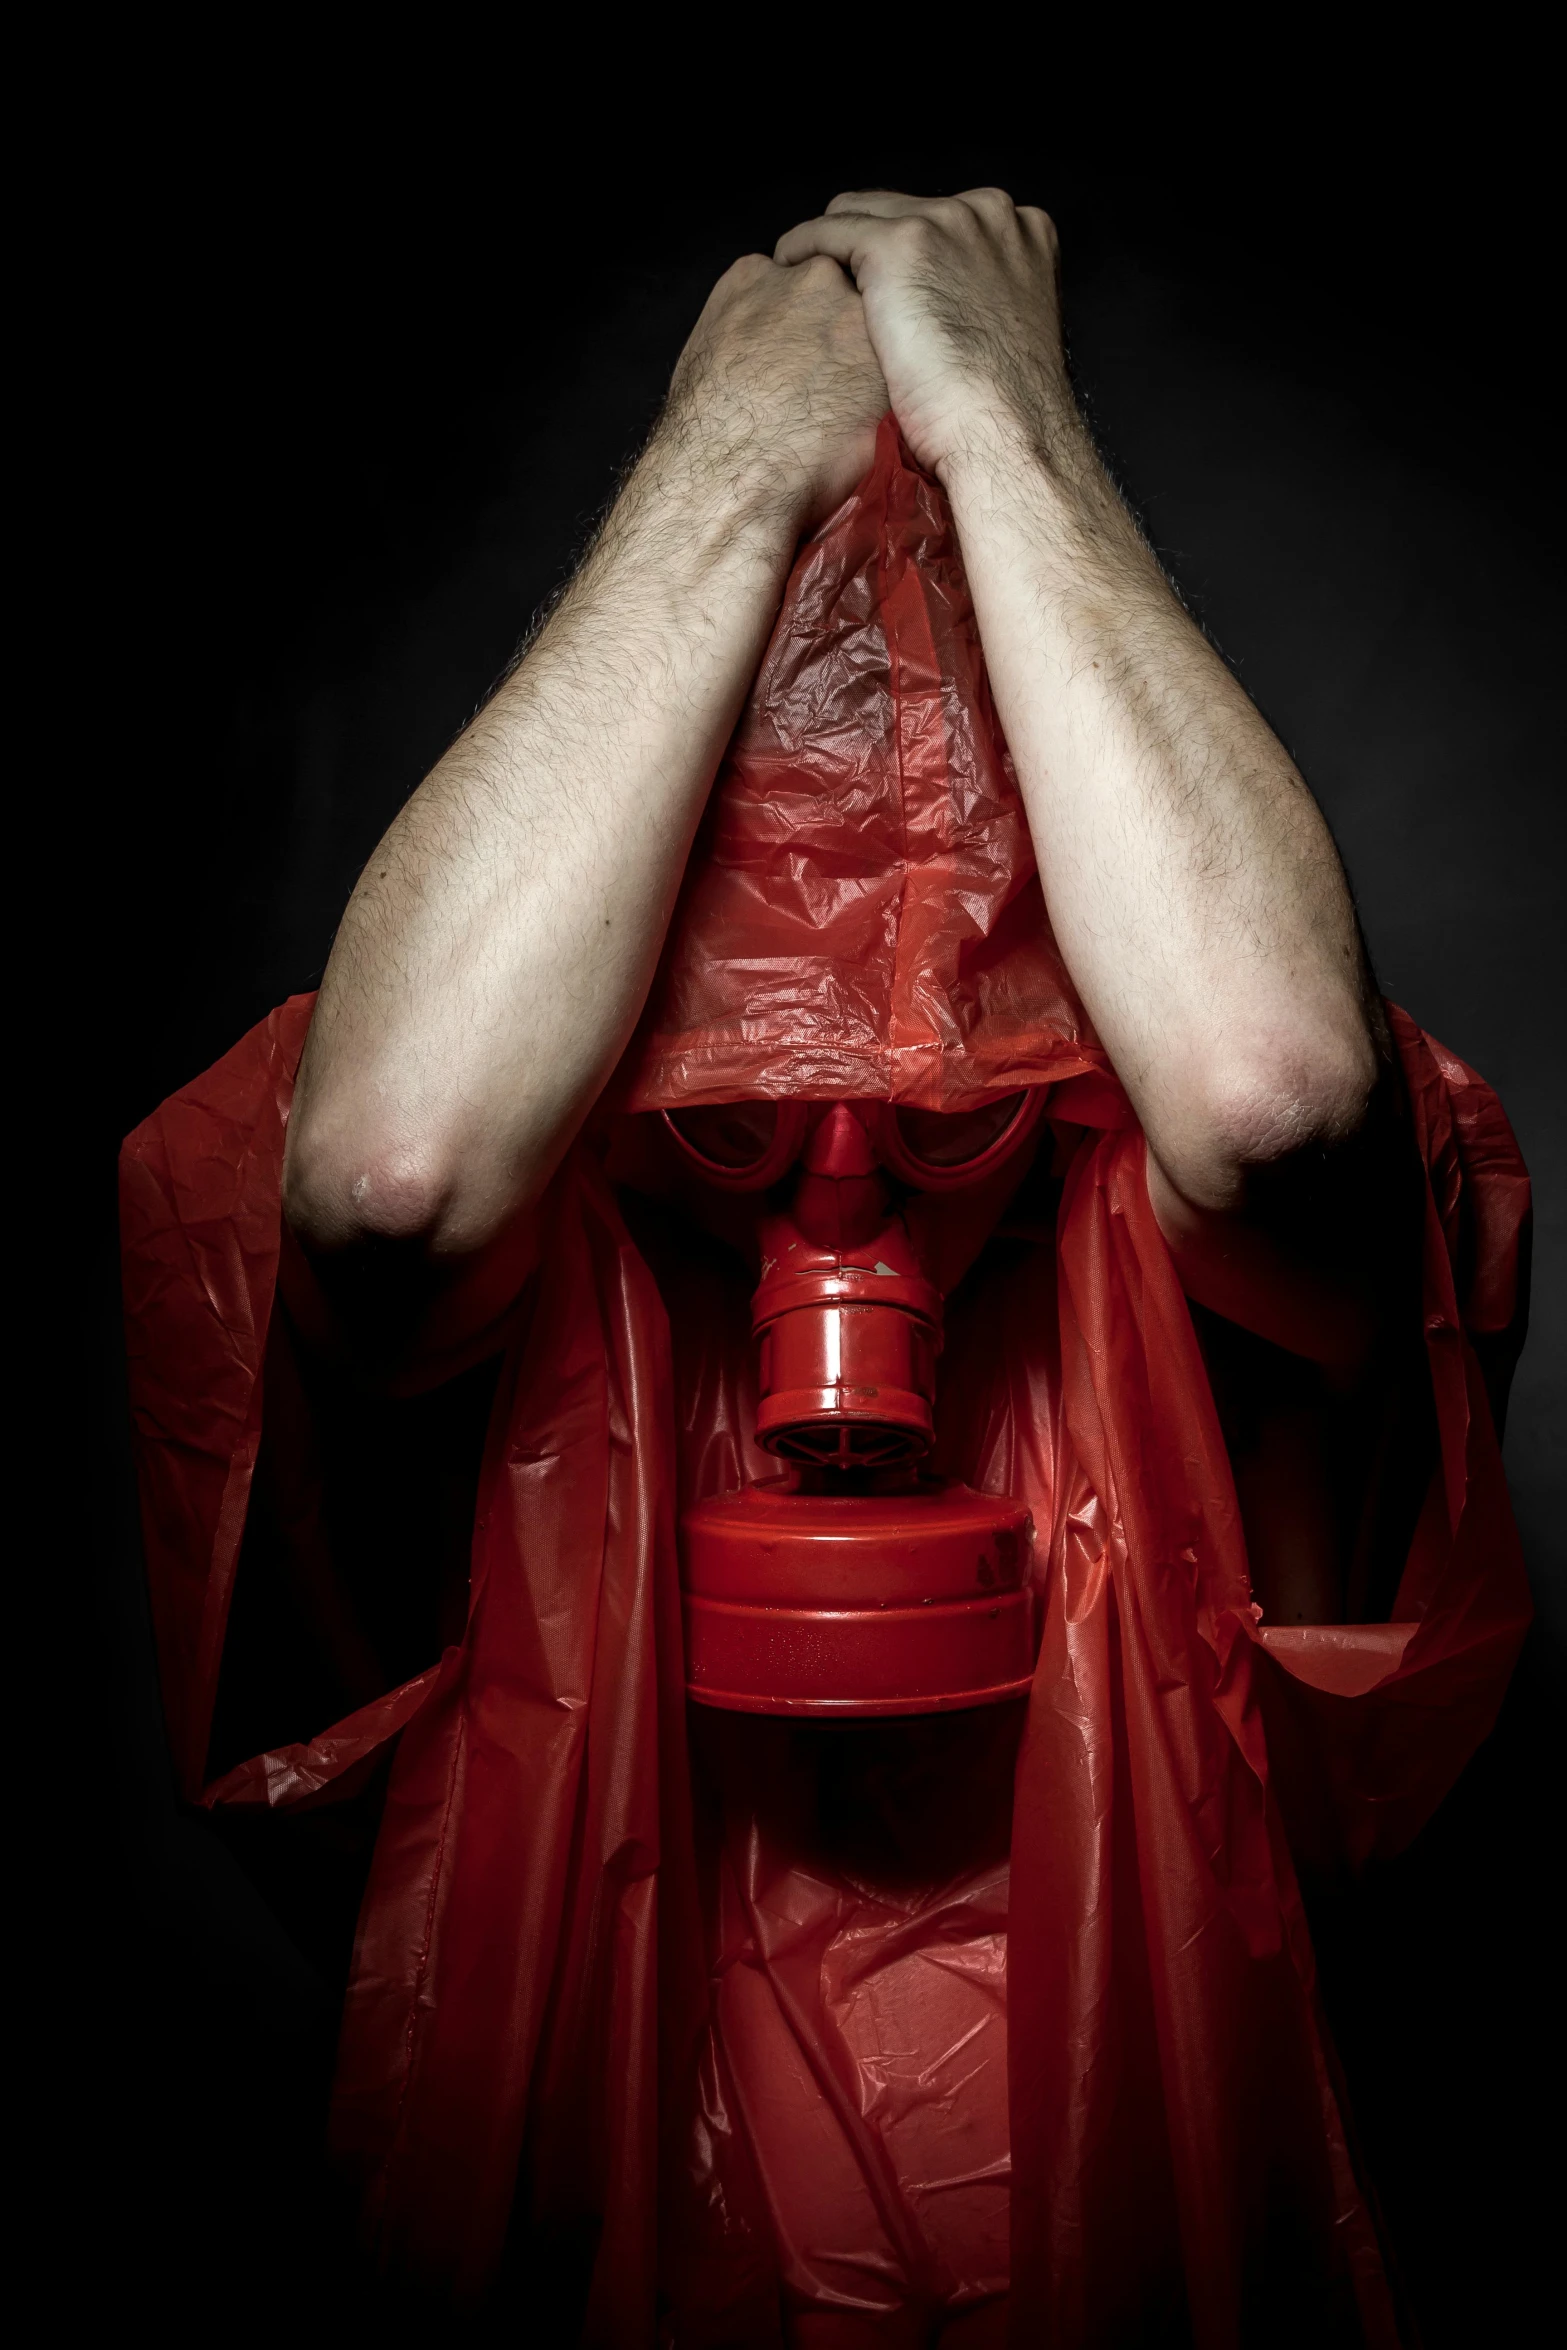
<point>779,385</point>
<point>960,296</point>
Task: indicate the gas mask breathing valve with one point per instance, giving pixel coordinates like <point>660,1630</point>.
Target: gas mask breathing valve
<point>852,1584</point>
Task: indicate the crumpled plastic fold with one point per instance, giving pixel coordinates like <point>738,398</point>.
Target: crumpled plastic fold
<point>861,914</point>
<point>729,2032</point>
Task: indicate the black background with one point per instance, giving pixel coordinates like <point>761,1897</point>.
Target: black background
<point>368,374</point>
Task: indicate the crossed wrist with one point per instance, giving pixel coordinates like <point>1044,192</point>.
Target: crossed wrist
<point>739,479</point>
<point>1004,433</point>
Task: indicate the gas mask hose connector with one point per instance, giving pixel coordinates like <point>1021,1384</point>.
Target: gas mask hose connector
<point>848,1344</point>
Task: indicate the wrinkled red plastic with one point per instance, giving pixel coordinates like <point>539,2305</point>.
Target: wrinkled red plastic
<point>786,2072</point>
<point>862,915</point>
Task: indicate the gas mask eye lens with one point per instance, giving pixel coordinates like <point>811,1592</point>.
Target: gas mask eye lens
<point>944,1150</point>
<point>954,1138</point>
<point>739,1146</point>
<point>731,1135</point>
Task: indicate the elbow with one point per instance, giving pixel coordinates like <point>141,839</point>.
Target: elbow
<point>1313,1099</point>
<point>395,1266</point>
<point>349,1192</point>
<point>1261,1115</point>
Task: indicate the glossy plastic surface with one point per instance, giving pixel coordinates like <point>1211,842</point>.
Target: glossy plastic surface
<point>844,1606</point>
<point>745,2031</point>
<point>848,1340</point>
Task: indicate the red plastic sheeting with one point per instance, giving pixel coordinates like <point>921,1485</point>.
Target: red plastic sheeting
<point>715,2007</point>
<point>861,914</point>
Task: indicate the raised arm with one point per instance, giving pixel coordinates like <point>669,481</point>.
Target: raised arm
<point>1192,883</point>
<point>497,950</point>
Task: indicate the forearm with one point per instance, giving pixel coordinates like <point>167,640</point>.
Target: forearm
<point>498,948</point>
<point>1193,886</point>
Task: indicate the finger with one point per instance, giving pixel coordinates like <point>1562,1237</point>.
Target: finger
<point>1038,225</point>
<point>992,202</point>
<point>881,203</point>
<point>992,207</point>
<point>843,238</point>
<point>893,203</point>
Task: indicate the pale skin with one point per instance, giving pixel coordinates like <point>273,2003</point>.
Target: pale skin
<point>494,957</point>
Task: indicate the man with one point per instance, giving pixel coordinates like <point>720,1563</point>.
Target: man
<point>1191,881</point>
<point>1173,2133</point>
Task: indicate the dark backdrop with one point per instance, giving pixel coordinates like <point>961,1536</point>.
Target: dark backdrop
<point>366,409</point>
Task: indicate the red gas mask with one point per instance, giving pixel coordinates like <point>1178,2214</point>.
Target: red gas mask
<point>853,1583</point>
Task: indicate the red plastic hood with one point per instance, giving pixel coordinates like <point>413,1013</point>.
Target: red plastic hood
<point>861,914</point>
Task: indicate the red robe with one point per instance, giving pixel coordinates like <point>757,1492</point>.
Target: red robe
<point>750,2032</point>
